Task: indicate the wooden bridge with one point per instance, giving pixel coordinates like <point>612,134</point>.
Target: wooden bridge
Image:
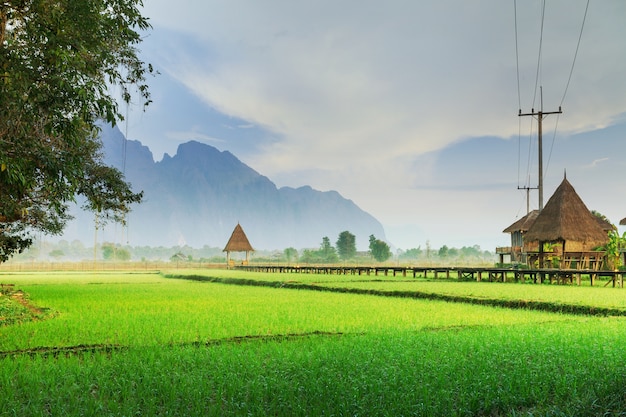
<point>560,276</point>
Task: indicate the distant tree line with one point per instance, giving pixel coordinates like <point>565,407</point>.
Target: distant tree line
<point>446,255</point>
<point>343,250</point>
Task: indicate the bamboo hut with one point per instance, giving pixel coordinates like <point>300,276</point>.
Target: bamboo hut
<point>238,242</point>
<point>575,232</point>
<point>517,230</point>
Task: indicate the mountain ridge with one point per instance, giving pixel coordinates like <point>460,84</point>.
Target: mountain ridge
<point>197,197</point>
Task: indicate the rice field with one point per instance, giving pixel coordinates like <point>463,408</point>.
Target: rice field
<point>123,344</point>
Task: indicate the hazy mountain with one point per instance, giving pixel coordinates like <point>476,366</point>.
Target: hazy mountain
<point>199,195</point>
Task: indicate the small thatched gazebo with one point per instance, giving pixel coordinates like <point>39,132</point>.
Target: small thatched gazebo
<point>238,242</point>
<point>623,222</point>
<point>567,222</point>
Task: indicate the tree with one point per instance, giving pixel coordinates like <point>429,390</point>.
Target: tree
<point>56,253</point>
<point>379,249</point>
<point>112,252</point>
<point>346,245</point>
<point>291,253</point>
<point>411,254</point>
<point>327,252</point>
<point>60,61</point>
<point>613,249</point>
<point>308,256</point>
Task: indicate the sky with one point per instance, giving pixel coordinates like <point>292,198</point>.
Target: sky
<point>408,108</point>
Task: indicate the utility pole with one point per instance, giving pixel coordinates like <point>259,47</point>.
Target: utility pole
<point>527,196</point>
<point>540,114</point>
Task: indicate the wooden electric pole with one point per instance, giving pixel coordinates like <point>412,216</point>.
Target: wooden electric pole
<point>540,114</point>
<point>527,196</point>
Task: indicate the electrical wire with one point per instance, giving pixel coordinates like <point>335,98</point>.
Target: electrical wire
<point>582,26</point>
<point>519,95</point>
<point>519,98</point>
<point>124,150</point>
<point>539,55</point>
<point>580,35</point>
<point>538,82</point>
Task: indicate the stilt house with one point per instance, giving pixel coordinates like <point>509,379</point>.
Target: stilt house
<point>572,230</point>
<point>517,230</point>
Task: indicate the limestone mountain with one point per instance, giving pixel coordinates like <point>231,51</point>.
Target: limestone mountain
<point>200,194</point>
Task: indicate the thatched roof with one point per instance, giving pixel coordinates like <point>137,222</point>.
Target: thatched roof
<point>605,224</point>
<point>523,224</point>
<point>623,221</point>
<point>238,241</point>
<point>566,218</point>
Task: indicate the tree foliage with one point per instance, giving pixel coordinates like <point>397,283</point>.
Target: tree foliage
<point>410,254</point>
<point>614,248</point>
<point>291,254</point>
<point>346,245</point>
<point>379,249</point>
<point>112,252</point>
<point>60,60</point>
<point>325,254</point>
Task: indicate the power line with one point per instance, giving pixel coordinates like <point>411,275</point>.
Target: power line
<point>540,114</point>
<point>576,53</point>
<point>539,55</point>
<point>580,35</point>
<point>519,101</point>
<point>519,96</point>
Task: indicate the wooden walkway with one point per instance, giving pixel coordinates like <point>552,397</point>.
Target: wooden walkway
<point>560,276</point>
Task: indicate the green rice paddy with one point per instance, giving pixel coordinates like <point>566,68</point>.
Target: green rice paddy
<point>122,344</point>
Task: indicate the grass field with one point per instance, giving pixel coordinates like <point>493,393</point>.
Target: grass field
<point>233,343</point>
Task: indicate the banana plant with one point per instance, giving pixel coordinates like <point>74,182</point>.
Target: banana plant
<point>613,249</point>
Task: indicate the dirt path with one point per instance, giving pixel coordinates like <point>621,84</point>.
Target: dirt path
<point>20,297</point>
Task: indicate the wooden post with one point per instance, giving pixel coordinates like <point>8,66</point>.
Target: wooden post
<point>540,115</point>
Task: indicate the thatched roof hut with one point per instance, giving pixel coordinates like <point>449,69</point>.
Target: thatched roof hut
<point>238,242</point>
<point>520,227</point>
<point>623,222</point>
<point>606,225</point>
<point>523,224</point>
<point>517,231</point>
<point>565,219</point>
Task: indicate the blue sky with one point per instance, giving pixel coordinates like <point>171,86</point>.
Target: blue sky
<point>408,108</point>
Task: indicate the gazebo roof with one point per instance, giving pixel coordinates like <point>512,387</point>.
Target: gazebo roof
<point>566,218</point>
<point>523,224</point>
<point>623,221</point>
<point>238,241</point>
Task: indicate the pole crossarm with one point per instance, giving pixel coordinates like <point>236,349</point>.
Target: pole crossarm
<point>540,115</point>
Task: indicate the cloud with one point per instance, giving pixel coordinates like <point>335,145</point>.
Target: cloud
<point>367,97</point>
<point>596,162</point>
<point>376,81</point>
<point>185,136</point>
